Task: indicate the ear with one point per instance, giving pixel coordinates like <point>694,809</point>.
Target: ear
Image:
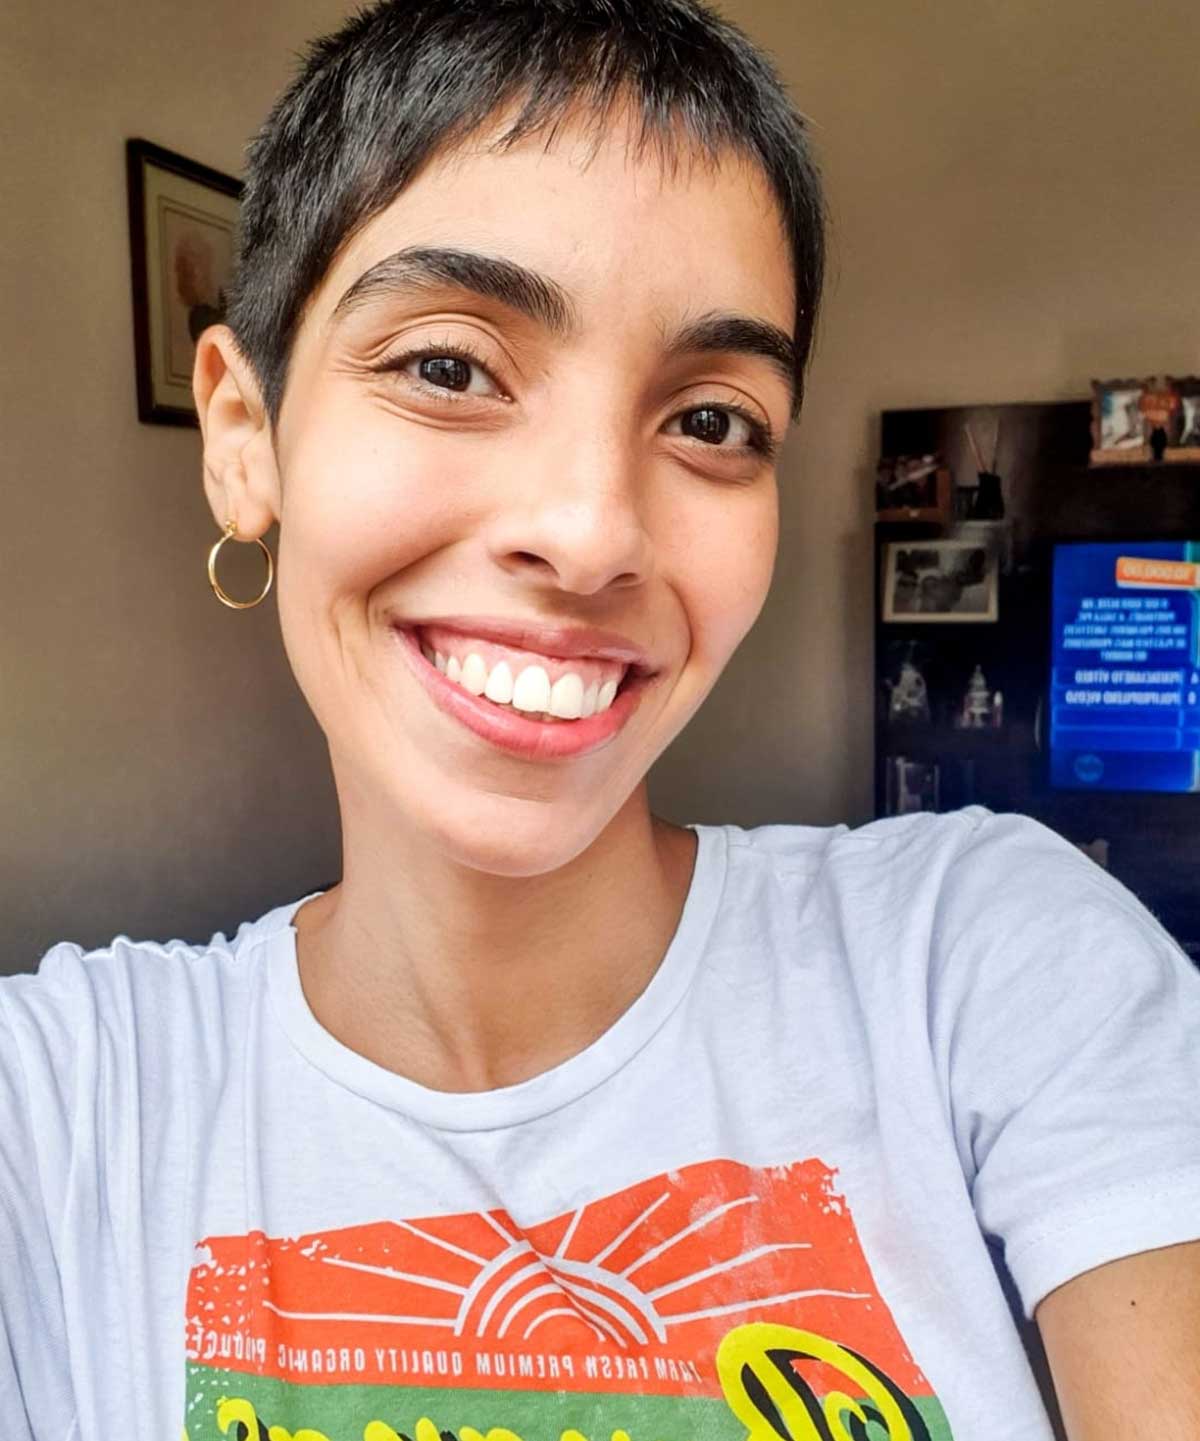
<point>241,478</point>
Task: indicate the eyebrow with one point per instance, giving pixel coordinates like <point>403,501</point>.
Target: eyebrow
<point>545,302</point>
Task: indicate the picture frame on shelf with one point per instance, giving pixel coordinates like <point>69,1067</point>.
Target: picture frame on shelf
<point>946,581</point>
<point>182,225</point>
<point>913,488</point>
<point>1184,444</point>
<point>1119,430</point>
<point>1148,421</point>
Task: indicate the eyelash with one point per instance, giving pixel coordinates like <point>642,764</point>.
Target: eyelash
<point>762,440</point>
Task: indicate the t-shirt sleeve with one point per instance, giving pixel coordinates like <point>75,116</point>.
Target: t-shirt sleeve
<point>35,1393</point>
<point>1066,1022</point>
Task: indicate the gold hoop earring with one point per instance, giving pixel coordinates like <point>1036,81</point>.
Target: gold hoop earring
<point>231,534</point>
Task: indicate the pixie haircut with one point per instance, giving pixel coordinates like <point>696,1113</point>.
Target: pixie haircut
<point>405,80</point>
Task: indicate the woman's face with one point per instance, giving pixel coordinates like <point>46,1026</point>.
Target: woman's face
<point>558,465</point>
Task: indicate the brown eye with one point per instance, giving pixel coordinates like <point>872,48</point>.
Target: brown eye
<point>712,424</point>
<point>449,369</point>
<point>707,424</point>
<point>448,372</point>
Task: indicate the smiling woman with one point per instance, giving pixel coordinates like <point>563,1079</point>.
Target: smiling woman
<point>533,1120</point>
<point>539,386</point>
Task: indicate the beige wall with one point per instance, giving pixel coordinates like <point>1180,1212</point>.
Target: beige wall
<point>160,774</point>
<point>1016,200</point>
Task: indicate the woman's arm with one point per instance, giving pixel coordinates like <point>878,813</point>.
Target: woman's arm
<point>1123,1342</point>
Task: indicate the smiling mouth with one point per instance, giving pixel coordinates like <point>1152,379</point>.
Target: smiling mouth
<point>522,682</point>
<point>522,732</point>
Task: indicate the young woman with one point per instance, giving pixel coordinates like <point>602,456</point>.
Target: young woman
<point>552,1119</point>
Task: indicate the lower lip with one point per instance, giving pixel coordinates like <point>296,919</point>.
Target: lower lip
<point>509,729</point>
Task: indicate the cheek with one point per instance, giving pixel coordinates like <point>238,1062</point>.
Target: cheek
<point>360,507</point>
<point>729,564</point>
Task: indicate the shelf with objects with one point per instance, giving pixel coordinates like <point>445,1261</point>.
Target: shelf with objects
<point>974,504</point>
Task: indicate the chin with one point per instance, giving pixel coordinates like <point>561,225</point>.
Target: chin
<point>514,836</point>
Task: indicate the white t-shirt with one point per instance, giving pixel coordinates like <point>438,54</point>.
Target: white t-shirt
<point>770,1193</point>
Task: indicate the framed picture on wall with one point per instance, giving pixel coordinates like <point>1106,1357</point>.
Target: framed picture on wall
<point>940,580</point>
<point>182,222</point>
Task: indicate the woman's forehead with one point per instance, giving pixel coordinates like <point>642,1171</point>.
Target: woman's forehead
<point>589,209</point>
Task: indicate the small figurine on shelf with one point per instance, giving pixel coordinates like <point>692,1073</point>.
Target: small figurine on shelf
<point>911,786</point>
<point>976,709</point>
<point>909,700</point>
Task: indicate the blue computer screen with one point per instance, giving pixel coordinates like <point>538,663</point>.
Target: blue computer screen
<point>1125,666</point>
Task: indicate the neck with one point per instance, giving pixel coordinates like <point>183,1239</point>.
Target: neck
<point>463,980</point>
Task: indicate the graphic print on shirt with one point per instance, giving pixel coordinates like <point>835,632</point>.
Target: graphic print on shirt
<point>713,1303</point>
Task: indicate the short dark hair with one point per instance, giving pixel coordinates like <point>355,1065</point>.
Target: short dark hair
<point>404,79</point>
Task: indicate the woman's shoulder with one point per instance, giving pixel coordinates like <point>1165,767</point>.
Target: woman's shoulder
<point>154,985</point>
<point>919,837</point>
<point>95,1030</point>
<point>920,876</point>
<point>939,828</point>
<point>921,842</point>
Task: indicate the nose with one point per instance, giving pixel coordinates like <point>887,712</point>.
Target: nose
<point>575,518</point>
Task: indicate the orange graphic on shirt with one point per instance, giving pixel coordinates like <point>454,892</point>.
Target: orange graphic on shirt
<point>629,1293</point>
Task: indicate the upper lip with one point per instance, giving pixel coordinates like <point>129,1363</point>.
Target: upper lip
<point>562,642</point>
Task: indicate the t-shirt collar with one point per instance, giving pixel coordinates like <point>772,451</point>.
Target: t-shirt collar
<point>541,1094</point>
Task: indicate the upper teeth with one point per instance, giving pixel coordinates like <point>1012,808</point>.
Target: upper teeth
<point>531,691</point>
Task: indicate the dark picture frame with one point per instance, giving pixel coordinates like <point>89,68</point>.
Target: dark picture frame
<point>182,228</point>
<point>940,581</point>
